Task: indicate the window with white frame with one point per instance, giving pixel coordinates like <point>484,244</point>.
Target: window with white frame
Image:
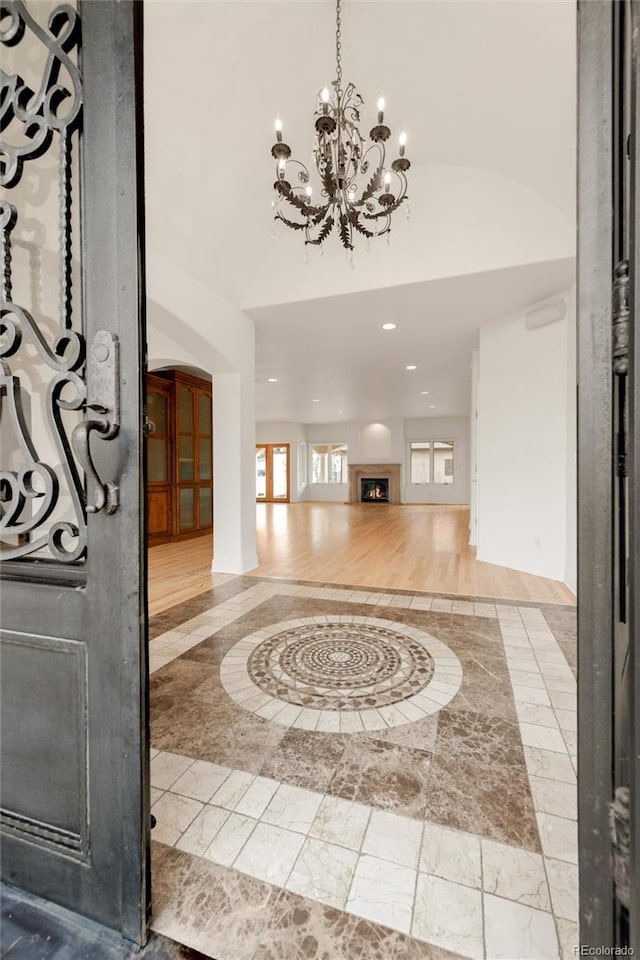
<point>431,461</point>
<point>329,463</point>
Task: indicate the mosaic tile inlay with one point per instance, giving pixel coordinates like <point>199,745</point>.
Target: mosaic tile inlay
<point>342,663</point>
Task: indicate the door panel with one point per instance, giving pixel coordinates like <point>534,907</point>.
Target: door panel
<point>608,476</point>
<point>273,472</point>
<point>75,816</point>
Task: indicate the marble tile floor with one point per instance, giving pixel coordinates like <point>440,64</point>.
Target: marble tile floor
<point>452,832</point>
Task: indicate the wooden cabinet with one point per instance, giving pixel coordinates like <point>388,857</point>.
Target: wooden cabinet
<point>179,456</point>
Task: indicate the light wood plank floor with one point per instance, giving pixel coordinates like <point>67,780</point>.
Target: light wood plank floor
<point>410,547</point>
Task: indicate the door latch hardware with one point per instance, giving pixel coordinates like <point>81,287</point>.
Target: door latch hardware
<point>620,830</point>
<point>103,399</point>
<point>620,313</point>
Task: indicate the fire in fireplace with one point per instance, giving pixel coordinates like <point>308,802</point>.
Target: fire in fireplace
<point>374,491</point>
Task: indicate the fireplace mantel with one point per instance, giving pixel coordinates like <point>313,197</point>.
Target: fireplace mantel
<point>374,471</point>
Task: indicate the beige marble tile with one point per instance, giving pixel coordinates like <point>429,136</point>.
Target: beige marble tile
<point>549,765</point>
<point>383,892</point>
<point>173,815</point>
<point>533,713</point>
<point>563,886</point>
<point>201,780</point>
<point>233,789</point>
<point>565,701</point>
<point>569,938</point>
<point>257,797</point>
<point>545,738</point>
<point>270,853</point>
<point>526,694</point>
<point>293,808</point>
<point>514,931</point>
<point>448,915</point>
<point>392,837</point>
<point>568,719</point>
<point>554,796</point>
<point>514,874</point>
<point>341,821</point>
<point>154,794</point>
<point>198,836</point>
<point>230,838</point>
<point>451,855</point>
<point>558,837</point>
<point>323,872</point>
<point>166,768</point>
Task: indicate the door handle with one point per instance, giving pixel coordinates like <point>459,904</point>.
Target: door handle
<point>103,398</point>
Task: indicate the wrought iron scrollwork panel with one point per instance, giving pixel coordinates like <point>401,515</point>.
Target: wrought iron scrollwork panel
<point>42,502</point>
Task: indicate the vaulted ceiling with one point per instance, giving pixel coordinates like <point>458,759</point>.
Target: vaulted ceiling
<point>486,92</point>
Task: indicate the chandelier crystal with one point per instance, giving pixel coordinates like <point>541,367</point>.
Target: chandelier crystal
<point>359,190</point>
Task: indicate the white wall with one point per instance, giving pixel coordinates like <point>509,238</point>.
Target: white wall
<point>473,452</point>
<point>523,418</point>
<point>439,428</point>
<point>375,442</point>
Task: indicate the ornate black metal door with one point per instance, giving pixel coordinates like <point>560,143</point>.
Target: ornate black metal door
<point>609,475</point>
<point>74,722</point>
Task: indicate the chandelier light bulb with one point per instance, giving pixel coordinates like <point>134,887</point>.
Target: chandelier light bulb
<point>355,171</point>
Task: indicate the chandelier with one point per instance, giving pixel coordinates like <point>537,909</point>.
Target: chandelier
<point>359,190</point>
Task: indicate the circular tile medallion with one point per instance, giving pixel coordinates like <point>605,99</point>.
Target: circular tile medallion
<point>341,673</point>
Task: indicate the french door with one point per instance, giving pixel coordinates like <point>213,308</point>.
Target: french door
<point>609,474</point>
<point>74,785</point>
<point>273,472</point>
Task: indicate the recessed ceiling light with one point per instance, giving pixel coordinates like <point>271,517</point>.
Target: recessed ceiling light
<point>389,326</point>
<point>432,406</point>
<point>315,401</point>
<point>340,411</point>
<point>424,393</point>
<point>272,379</point>
<point>411,366</point>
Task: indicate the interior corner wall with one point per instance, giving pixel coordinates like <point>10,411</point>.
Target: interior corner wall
<point>522,446</point>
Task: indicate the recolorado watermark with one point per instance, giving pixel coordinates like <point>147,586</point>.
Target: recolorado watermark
<point>583,951</point>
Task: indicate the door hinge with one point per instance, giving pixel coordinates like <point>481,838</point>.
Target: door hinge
<point>620,314</point>
<point>620,830</point>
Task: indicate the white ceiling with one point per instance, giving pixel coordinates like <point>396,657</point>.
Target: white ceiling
<point>486,86</point>
<point>335,351</point>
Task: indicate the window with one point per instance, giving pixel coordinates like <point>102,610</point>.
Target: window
<point>431,461</point>
<point>329,463</point>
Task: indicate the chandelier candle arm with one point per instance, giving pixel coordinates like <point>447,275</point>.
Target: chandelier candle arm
<point>355,177</point>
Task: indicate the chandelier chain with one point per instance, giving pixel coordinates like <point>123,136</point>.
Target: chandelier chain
<point>338,49</point>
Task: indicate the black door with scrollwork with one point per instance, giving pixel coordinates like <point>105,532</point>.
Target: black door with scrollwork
<point>74,792</point>
<point>609,475</point>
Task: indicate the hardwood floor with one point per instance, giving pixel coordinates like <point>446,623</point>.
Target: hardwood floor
<point>410,547</point>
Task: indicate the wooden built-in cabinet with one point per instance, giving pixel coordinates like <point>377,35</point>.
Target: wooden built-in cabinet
<point>179,456</point>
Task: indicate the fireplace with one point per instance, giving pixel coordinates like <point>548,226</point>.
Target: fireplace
<point>375,490</point>
<point>365,477</point>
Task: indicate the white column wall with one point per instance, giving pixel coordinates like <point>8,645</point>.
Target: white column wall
<point>234,490</point>
<point>523,426</point>
<point>206,332</point>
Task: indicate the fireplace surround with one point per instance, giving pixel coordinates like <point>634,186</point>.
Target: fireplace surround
<point>374,471</point>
